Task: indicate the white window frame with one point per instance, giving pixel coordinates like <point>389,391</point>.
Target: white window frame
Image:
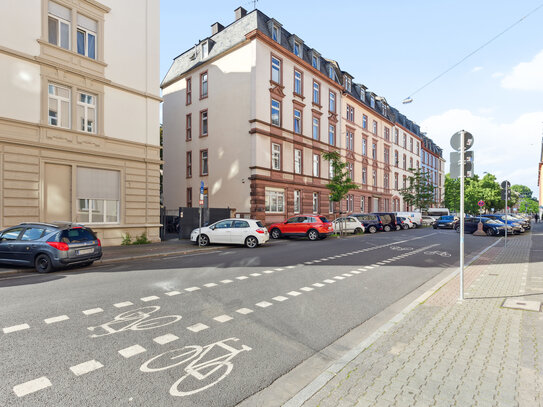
<point>297,114</point>
<point>315,202</point>
<point>89,206</point>
<point>362,204</point>
<point>330,204</point>
<point>276,156</point>
<point>86,32</point>
<point>276,69</point>
<point>86,106</point>
<point>332,134</point>
<point>364,175</point>
<point>316,93</point>
<point>297,49</point>
<point>297,82</point>
<point>60,21</point>
<point>374,177</point>
<point>297,201</point>
<point>205,49</point>
<point>59,100</point>
<point>279,195</point>
<point>332,102</point>
<point>316,165</point>
<point>316,128</point>
<point>297,161</point>
<point>278,108</point>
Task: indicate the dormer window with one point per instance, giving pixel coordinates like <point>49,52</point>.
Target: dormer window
<point>331,72</point>
<point>205,49</point>
<point>314,62</point>
<point>297,49</point>
<point>372,102</point>
<point>347,83</point>
<point>275,33</point>
<point>362,94</point>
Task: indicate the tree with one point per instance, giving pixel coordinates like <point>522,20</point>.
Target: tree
<point>340,183</point>
<point>529,205</point>
<point>523,191</point>
<point>419,192</point>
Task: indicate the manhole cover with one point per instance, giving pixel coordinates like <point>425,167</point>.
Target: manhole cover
<point>522,305</point>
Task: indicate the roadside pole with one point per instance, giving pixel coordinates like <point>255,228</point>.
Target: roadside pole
<point>200,203</point>
<point>462,152</point>
<point>506,193</point>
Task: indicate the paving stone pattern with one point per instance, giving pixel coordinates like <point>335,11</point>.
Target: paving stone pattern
<point>451,353</point>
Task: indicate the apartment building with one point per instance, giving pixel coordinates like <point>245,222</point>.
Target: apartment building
<point>250,110</point>
<point>79,115</point>
<point>434,165</point>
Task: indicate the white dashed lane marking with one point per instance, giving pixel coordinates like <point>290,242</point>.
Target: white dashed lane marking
<point>123,304</point>
<point>172,293</point>
<point>329,281</point>
<point>242,278</point>
<point>15,328</point>
<point>347,275</point>
<point>279,298</point>
<point>294,293</point>
<point>223,318</point>
<point>290,267</point>
<point>318,285</point>
<point>192,289</point>
<point>31,386</point>
<point>56,319</point>
<point>278,269</point>
<point>209,285</point>
<point>226,281</point>
<point>355,272</point>
<point>306,289</point>
<point>164,339</point>
<point>268,271</point>
<point>132,351</point>
<point>151,298</point>
<point>197,327</point>
<point>244,311</point>
<point>93,311</point>
<point>339,278</point>
<point>86,367</point>
<point>263,304</point>
<point>256,274</point>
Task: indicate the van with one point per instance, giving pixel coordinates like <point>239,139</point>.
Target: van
<point>415,217</point>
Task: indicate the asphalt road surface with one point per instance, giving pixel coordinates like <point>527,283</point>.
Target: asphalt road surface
<point>204,329</point>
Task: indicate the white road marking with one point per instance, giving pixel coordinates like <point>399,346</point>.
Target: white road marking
<point>197,327</point>
<point>386,261</point>
<point>280,298</point>
<point>15,328</point>
<point>268,271</point>
<point>244,311</point>
<point>93,311</point>
<point>381,263</point>
<point>375,265</point>
<point>172,293</point>
<point>347,275</point>
<point>368,267</point>
<point>164,339</point>
<point>339,278</point>
<point>86,367</point>
<point>329,281</point>
<point>209,285</point>
<point>263,304</point>
<point>256,274</point>
<point>362,269</point>
<point>223,318</point>
<point>226,281</point>
<point>279,269</point>
<point>31,386</point>
<point>192,289</point>
<point>242,278</point>
<point>132,351</point>
<point>316,261</point>
<point>290,267</point>
<point>294,293</point>
<point>306,289</point>
<point>56,319</point>
<point>123,304</point>
<point>151,298</point>
<point>318,285</point>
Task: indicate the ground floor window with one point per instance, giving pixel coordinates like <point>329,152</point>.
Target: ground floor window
<point>297,201</point>
<point>331,208</point>
<point>275,200</point>
<point>315,202</point>
<point>362,204</point>
<point>98,195</point>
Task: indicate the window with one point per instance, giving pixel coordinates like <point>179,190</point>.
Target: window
<point>275,201</point>
<point>364,146</point>
<point>297,82</point>
<point>203,123</point>
<point>364,175</point>
<point>330,204</point>
<point>316,93</point>
<point>411,144</point>
<point>297,121</point>
<point>298,161</point>
<point>347,83</point>
<point>404,141</point>
<point>386,203</point>
<point>350,113</point>
<point>395,180</point>
<point>404,183</point>
<point>59,106</point>
<point>316,165</point>
<point>418,164</point>
<point>350,203</point>
<point>387,155</point>
<point>396,159</point>
<point>385,181</point>
<point>374,127</point>
<point>332,104</point>
<point>296,49</point>
<point>330,170</point>
<point>189,91</point>
<point>297,201</point>
<point>189,164</point>
<point>86,112</point>
<point>315,202</point>
<point>86,36</point>
<point>203,163</point>
<point>374,177</point>
<point>349,140</point>
<point>205,49</point>
<point>189,197</point>
<point>372,102</point>
<point>59,25</point>
<point>32,233</point>
<point>203,85</point>
<point>362,204</point>
<point>276,70</point>
<point>188,127</point>
<point>276,156</point>
<point>275,112</point>
<point>98,195</point>
<point>418,148</point>
<point>387,133</point>
<point>275,33</point>
<point>404,162</point>
<point>364,122</point>
<point>331,72</point>
<point>316,128</point>
<point>315,62</point>
<point>350,169</point>
<point>411,162</point>
<point>11,234</point>
<point>396,136</point>
<point>374,151</point>
<point>332,135</point>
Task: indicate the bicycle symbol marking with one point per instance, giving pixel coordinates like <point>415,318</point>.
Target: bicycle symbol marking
<point>437,253</point>
<point>400,249</point>
<point>197,369</point>
<point>134,320</point>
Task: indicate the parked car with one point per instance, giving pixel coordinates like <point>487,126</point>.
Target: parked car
<point>428,220</point>
<point>514,223</point>
<point>388,219</point>
<point>348,224</point>
<point>248,232</point>
<point>444,222</point>
<point>311,226</point>
<point>371,222</point>
<point>405,223</point>
<point>490,226</point>
<point>414,217</point>
<point>49,246</point>
<point>526,223</point>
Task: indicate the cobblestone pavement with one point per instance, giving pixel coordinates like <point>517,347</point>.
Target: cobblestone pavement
<point>451,353</point>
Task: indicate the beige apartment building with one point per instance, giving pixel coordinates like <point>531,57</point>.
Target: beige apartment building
<point>79,115</point>
<point>250,110</point>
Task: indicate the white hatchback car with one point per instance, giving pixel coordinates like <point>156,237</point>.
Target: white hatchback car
<point>248,232</point>
<point>349,224</point>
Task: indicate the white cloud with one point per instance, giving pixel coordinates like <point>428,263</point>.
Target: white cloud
<point>526,75</point>
<point>497,74</point>
<point>477,69</point>
<point>508,150</point>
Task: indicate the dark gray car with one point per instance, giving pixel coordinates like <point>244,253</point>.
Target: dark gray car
<point>49,246</point>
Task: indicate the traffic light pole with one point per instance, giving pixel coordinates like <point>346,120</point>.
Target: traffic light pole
<point>462,154</point>
<point>506,224</point>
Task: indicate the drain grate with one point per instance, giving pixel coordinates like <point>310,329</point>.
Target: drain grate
<point>522,305</point>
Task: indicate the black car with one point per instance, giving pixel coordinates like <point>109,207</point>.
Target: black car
<point>388,219</point>
<point>513,222</point>
<point>48,246</point>
<point>490,226</point>
<point>372,223</point>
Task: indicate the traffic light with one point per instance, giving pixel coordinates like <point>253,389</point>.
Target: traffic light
<point>469,168</point>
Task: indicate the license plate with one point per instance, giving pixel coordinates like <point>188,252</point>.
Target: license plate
<point>85,251</point>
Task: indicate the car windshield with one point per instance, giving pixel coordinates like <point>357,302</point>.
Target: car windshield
<point>386,218</point>
<point>323,219</point>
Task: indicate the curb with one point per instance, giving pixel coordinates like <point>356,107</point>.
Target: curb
<point>336,366</point>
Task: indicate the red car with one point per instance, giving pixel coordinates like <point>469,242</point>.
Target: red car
<point>313,226</point>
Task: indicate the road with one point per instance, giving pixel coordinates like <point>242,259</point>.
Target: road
<point>209,329</point>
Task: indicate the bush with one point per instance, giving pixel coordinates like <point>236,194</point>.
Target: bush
<point>142,239</point>
<point>127,240</point>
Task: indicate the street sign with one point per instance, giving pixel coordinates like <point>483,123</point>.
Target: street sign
<point>456,142</point>
<point>469,168</point>
<point>481,203</point>
<point>201,202</point>
<point>201,187</point>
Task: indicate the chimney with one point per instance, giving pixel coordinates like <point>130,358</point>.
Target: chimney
<point>240,12</point>
<point>215,28</point>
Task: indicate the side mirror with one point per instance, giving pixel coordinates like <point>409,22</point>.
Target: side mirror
<point>212,227</point>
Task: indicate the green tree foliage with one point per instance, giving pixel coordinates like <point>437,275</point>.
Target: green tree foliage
<point>522,190</point>
<point>419,191</point>
<point>529,205</point>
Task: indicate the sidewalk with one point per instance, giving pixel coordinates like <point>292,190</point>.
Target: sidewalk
<point>447,352</point>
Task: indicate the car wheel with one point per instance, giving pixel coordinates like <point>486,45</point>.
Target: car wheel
<point>313,234</point>
<point>43,263</point>
<point>398,227</point>
<point>275,233</point>
<point>372,229</point>
<point>358,231</point>
<point>490,232</point>
<point>405,227</point>
<point>387,228</point>
<point>251,242</point>
<point>203,240</point>
<point>434,226</point>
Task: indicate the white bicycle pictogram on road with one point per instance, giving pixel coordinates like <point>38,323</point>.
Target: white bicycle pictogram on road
<point>401,249</point>
<point>197,369</point>
<point>437,253</point>
<point>135,320</point>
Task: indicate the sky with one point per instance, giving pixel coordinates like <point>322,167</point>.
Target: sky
<point>396,47</point>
